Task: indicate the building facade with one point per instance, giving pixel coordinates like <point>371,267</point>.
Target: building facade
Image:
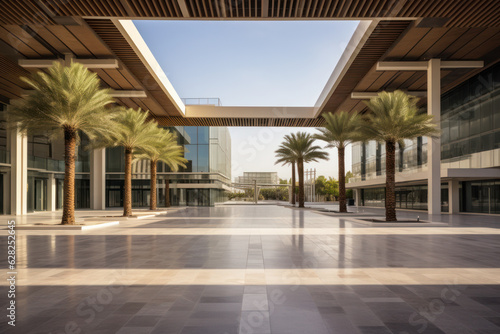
<point>32,172</point>
<point>202,183</point>
<point>260,177</point>
<point>470,155</point>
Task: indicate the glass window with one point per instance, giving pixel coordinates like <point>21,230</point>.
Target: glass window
<point>203,161</point>
<point>453,129</point>
<point>475,145</point>
<point>190,134</point>
<point>191,156</point>
<point>486,115</point>
<point>487,142</point>
<point>203,135</point>
<point>115,159</point>
<point>475,122</point>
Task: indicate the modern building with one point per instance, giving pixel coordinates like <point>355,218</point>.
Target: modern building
<point>202,183</point>
<point>260,177</point>
<point>443,51</point>
<point>469,155</point>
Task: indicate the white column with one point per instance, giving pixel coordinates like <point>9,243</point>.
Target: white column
<point>255,195</point>
<point>19,172</point>
<point>6,192</point>
<point>98,179</point>
<point>434,144</point>
<point>453,196</point>
<point>51,193</point>
<point>357,196</point>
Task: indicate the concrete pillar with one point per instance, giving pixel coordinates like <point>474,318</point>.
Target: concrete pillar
<point>19,172</point>
<point>434,144</point>
<point>6,193</point>
<point>357,196</point>
<point>453,196</point>
<point>98,179</point>
<point>51,193</point>
<point>255,195</point>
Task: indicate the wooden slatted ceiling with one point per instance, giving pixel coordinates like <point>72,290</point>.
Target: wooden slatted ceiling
<point>464,13</point>
<point>51,41</point>
<point>423,44</point>
<point>279,122</point>
<point>11,85</point>
<point>108,32</point>
<point>380,40</point>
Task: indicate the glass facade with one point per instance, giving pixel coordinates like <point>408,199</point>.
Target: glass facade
<point>208,151</point>
<point>46,158</point>
<point>407,197</point>
<point>368,159</point>
<point>480,196</point>
<point>470,121</point>
<point>48,155</point>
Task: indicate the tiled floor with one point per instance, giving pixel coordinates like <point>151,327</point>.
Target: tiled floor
<point>259,269</point>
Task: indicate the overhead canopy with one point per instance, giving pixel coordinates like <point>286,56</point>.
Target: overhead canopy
<point>401,30</point>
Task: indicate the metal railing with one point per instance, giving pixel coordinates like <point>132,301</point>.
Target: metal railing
<point>212,101</point>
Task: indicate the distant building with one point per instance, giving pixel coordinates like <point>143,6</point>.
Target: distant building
<point>260,177</point>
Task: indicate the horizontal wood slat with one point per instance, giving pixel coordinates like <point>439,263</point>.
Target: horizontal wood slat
<point>463,13</point>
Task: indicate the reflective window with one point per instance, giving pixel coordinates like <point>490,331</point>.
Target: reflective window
<point>470,116</point>
<point>115,159</point>
<point>203,135</point>
<point>203,161</point>
<point>191,134</point>
<point>191,156</point>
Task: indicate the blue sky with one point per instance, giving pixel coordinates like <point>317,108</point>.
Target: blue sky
<point>247,63</point>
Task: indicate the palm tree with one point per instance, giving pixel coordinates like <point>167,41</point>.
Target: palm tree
<point>286,156</point>
<point>395,117</point>
<point>65,100</point>
<point>302,145</point>
<point>167,151</point>
<point>133,132</point>
<point>340,130</point>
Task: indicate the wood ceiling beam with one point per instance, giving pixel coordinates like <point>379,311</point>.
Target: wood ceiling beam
<point>116,93</point>
<point>422,65</point>
<point>183,8</point>
<point>89,63</point>
<point>369,95</point>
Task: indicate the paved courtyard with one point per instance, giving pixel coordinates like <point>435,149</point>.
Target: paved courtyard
<point>259,269</point>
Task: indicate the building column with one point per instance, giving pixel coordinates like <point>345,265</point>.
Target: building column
<point>434,144</point>
<point>98,179</point>
<point>6,193</point>
<point>19,172</point>
<point>357,196</point>
<point>51,193</point>
<point>453,196</point>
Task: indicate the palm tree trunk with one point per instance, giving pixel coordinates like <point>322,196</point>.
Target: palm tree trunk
<point>300,167</point>
<point>167,192</point>
<point>152,201</point>
<point>293,184</point>
<point>68,216</point>
<point>390,184</point>
<point>342,201</point>
<point>127,193</point>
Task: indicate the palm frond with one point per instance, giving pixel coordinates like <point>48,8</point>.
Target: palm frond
<point>340,129</point>
<point>165,149</point>
<point>300,145</point>
<point>64,97</point>
<point>394,117</point>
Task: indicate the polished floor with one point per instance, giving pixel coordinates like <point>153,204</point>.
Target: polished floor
<point>259,269</point>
